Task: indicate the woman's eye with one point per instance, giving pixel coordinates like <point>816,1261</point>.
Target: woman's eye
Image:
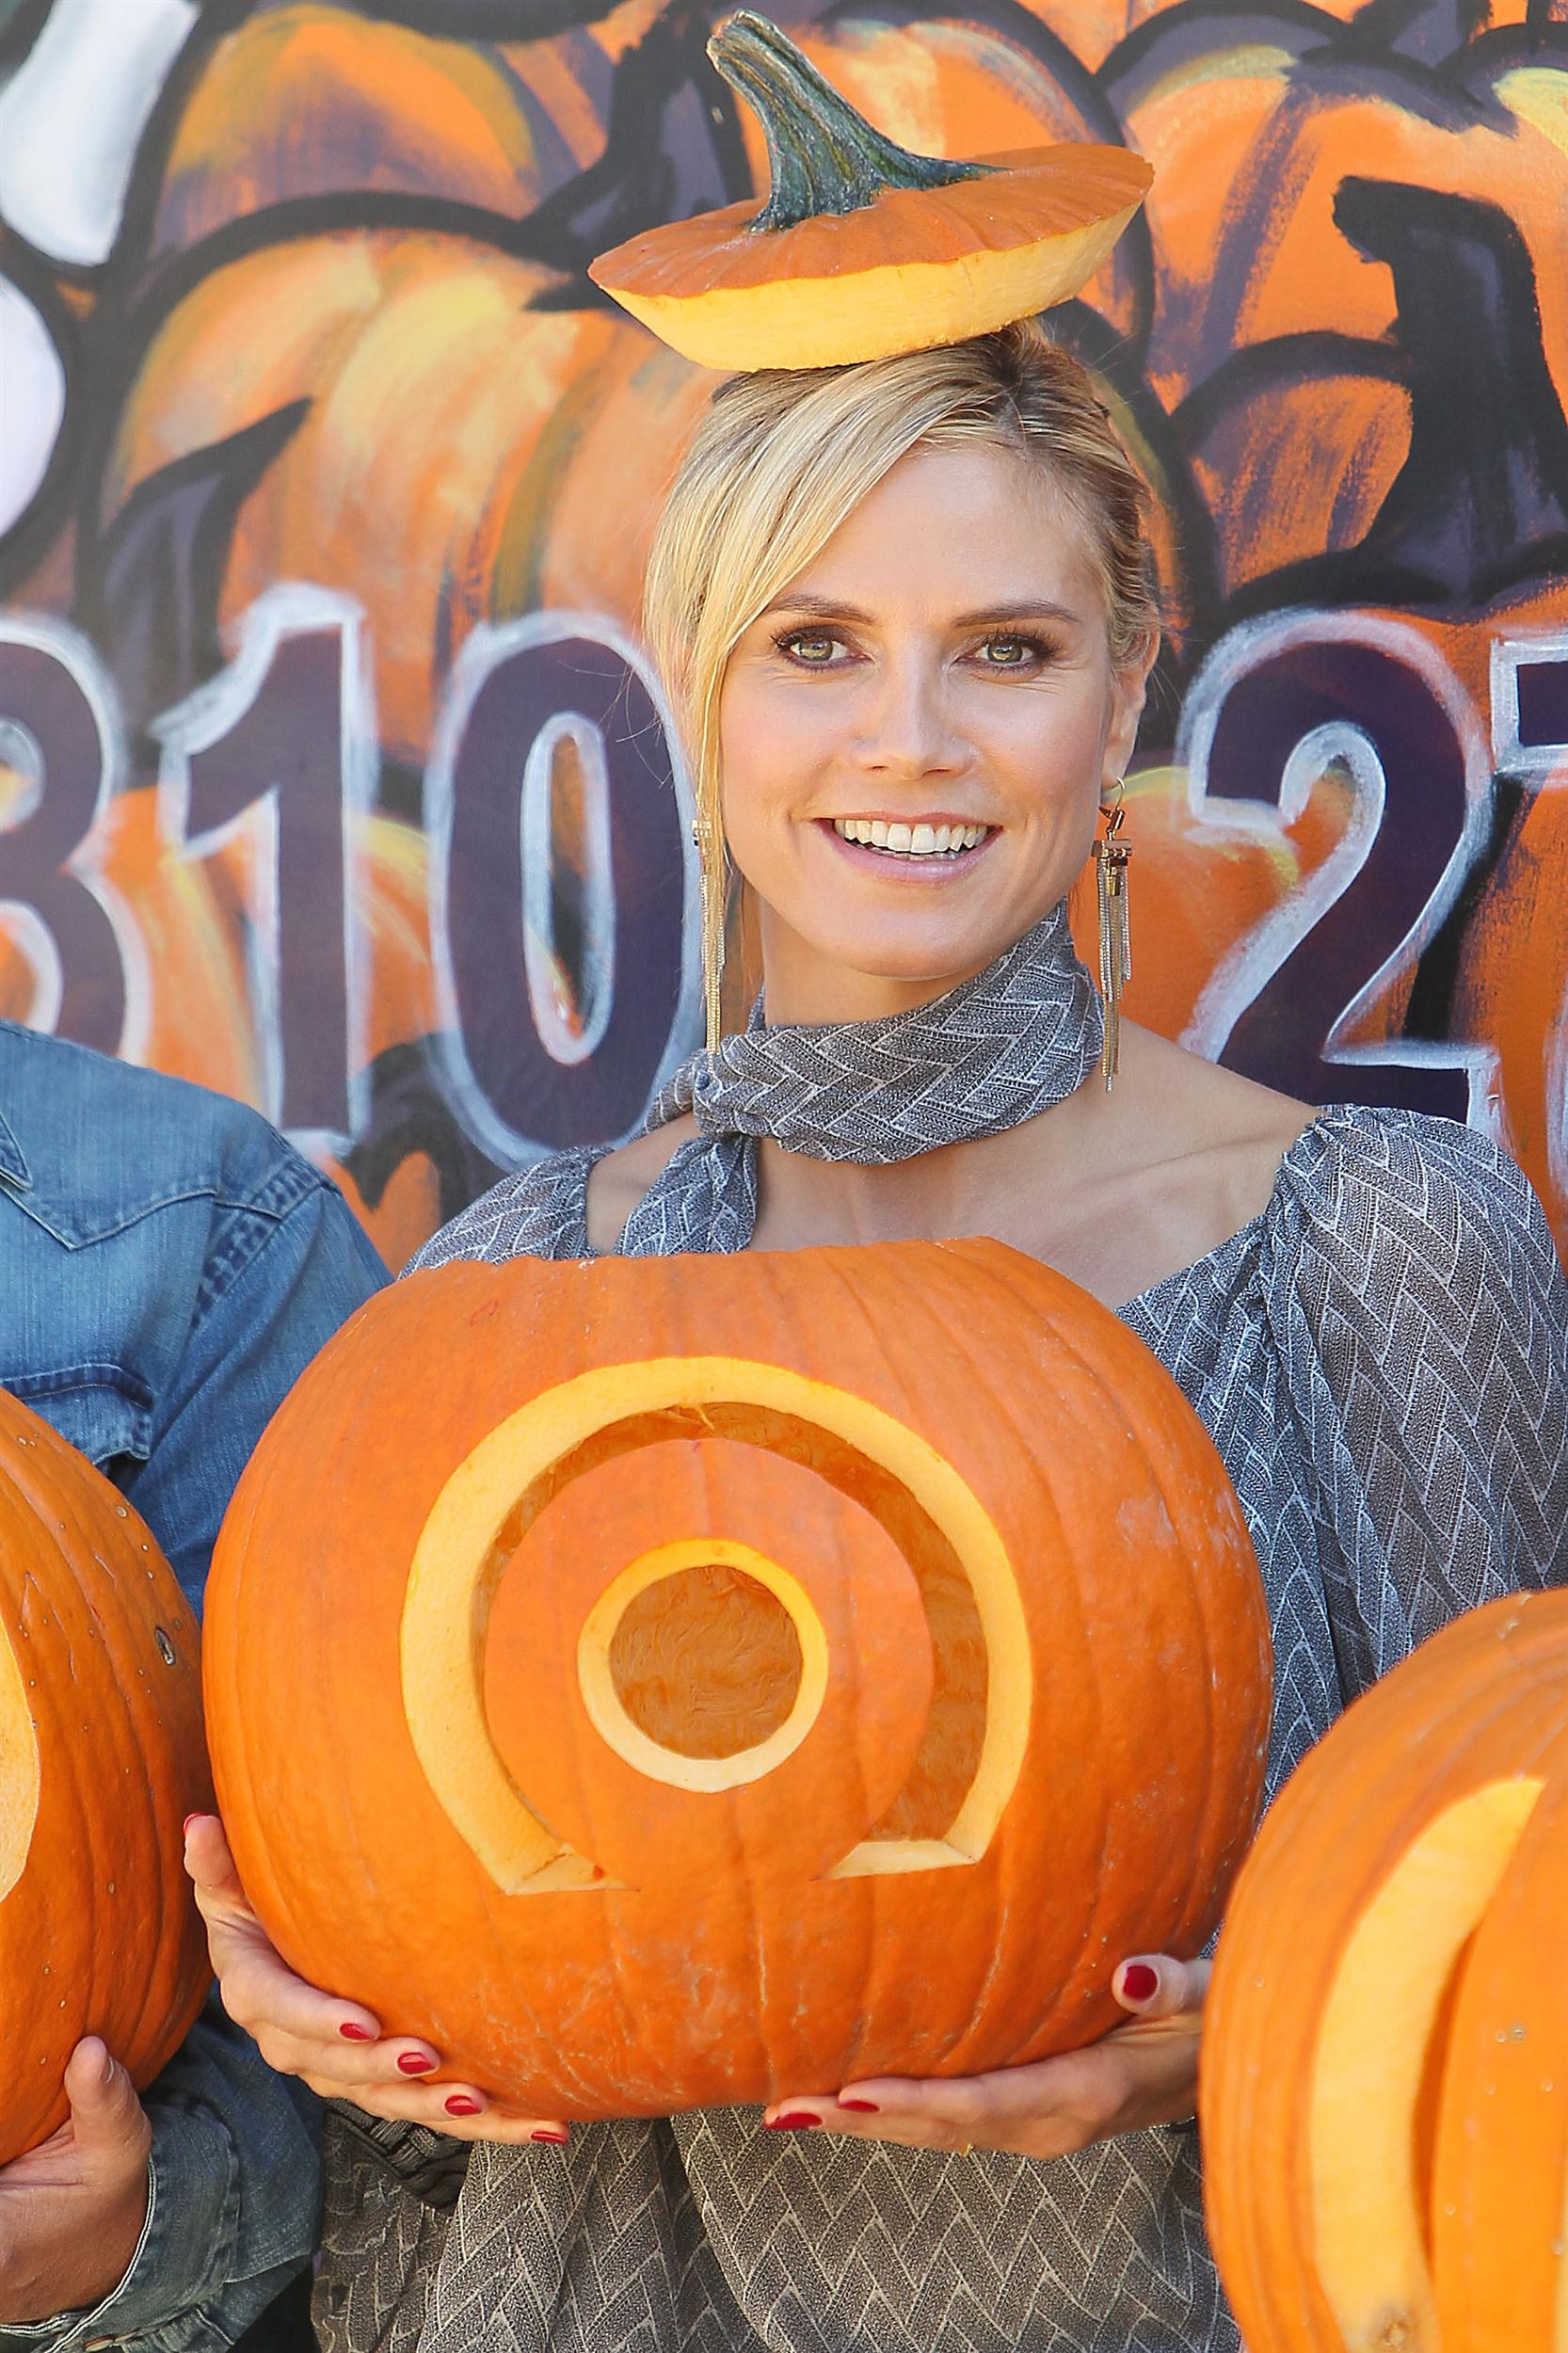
<point>813,648</point>
<point>1012,653</point>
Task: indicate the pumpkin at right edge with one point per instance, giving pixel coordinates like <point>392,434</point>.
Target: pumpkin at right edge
<point>1384,2090</point>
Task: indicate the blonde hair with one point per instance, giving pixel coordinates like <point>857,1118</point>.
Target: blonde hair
<point>782,458</point>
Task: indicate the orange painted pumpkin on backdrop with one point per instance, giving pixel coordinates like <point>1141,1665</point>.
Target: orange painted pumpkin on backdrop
<point>199,1023</point>
<point>101,1732</point>
<point>463,458</point>
<point>1201,881</point>
<point>1241,210</point>
<point>1329,2043</point>
<point>831,1611</point>
<point>316,99</point>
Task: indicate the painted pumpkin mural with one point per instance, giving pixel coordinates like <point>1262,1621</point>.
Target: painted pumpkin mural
<point>749,1634</point>
<point>328,475</point>
<point>100,1733</point>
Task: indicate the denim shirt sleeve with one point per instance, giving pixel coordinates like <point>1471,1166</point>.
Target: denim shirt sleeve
<point>234,2178</point>
<point>273,1294</point>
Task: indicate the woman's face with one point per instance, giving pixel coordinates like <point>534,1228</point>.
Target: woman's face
<point>916,735</point>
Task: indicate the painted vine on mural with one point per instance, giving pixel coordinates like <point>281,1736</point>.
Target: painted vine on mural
<point>332,772</point>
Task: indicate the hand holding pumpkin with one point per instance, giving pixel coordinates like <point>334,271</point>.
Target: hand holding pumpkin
<point>1145,2073</point>
<point>71,2210</point>
<point>337,2047</point>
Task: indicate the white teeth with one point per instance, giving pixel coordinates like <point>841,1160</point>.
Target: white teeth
<point>919,841</point>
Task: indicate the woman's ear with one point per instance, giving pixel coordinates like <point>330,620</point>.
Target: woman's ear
<point>1129,691</point>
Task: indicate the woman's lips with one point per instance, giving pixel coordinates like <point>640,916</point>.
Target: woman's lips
<point>909,865</point>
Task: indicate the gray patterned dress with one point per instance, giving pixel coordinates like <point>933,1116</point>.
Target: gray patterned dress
<point>1381,1358</point>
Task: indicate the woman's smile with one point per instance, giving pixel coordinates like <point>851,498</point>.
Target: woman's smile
<point>938,848</point>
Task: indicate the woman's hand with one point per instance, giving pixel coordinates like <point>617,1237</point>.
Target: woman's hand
<point>1145,2073</point>
<point>336,2047</point>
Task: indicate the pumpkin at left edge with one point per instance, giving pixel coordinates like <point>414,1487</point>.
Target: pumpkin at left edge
<point>101,1760</point>
<point>664,1683</point>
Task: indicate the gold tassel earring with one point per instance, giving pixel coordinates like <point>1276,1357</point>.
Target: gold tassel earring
<point>1112,856</point>
<point>713,896</point>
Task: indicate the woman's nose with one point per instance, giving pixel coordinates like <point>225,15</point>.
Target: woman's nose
<point>906,728</point>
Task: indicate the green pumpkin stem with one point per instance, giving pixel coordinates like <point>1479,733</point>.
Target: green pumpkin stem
<point>823,156</point>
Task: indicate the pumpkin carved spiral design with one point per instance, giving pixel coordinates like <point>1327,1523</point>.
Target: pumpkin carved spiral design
<point>674,1656</point>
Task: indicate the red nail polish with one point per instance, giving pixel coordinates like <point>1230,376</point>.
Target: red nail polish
<point>460,2104</point>
<point>560,2138</point>
<point>1139,1981</point>
<point>801,2123</point>
<point>414,2062</point>
<point>862,2107</point>
<point>351,2033</point>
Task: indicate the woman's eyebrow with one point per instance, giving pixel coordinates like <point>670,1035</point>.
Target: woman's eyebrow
<point>821,608</point>
<point>1029,609</point>
<point>829,609</point>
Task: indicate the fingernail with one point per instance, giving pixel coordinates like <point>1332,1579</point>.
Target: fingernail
<point>414,2062</point>
<point>1139,1981</point>
<point>802,2123</point>
<point>862,2107</point>
<point>351,2033</point>
<point>460,2104</point>
<point>560,2138</point>
<point>185,1828</point>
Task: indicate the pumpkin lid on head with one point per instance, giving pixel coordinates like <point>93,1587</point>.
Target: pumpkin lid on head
<point>863,250</point>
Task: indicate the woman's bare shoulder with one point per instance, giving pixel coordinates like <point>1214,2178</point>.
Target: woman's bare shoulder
<point>1188,1111</point>
<point>619,1181</point>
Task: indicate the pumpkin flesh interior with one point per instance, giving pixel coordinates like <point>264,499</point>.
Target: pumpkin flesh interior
<point>1373,2056</point>
<point>20,1769</point>
<point>820,321</point>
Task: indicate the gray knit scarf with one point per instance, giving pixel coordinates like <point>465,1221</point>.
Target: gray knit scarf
<point>992,1052</point>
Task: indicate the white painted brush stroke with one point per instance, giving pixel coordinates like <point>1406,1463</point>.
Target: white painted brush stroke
<point>32,402</point>
<point>71,115</point>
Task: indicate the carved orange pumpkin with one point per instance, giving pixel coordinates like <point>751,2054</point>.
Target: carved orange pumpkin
<point>100,1740</point>
<point>863,249</point>
<point>706,1676</point>
<point>1332,2053</point>
<point>1499,2188</point>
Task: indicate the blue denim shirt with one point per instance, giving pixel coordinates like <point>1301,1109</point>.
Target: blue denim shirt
<point>168,1266</point>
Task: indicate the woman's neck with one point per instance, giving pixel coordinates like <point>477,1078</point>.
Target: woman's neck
<point>803,989</point>
<point>955,1189</point>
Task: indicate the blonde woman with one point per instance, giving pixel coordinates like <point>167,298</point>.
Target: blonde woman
<point>904,612</point>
